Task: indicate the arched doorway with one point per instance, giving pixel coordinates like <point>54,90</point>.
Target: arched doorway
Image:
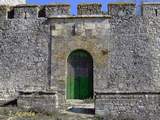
<point>80,75</point>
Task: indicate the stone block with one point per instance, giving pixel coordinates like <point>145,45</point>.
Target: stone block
<point>128,106</point>
<point>89,9</point>
<point>57,10</point>
<point>37,101</point>
<point>4,12</point>
<point>121,9</point>
<point>12,2</point>
<point>89,26</point>
<point>151,9</point>
<point>26,11</point>
<point>55,33</point>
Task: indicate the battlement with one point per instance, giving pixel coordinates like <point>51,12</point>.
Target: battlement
<point>33,11</point>
<point>121,9</point>
<point>4,11</point>
<point>25,11</point>
<point>89,9</point>
<point>57,9</point>
<point>151,9</point>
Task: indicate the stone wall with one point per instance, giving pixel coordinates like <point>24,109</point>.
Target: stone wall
<point>125,53</point>
<point>36,11</point>
<point>4,12</point>
<point>57,9</point>
<point>12,2</point>
<point>26,11</point>
<point>89,9</point>
<point>151,9</point>
<point>121,9</point>
<point>23,55</point>
<point>33,11</point>
<point>133,69</point>
<point>139,106</point>
<point>125,50</point>
<point>37,101</point>
<point>84,33</point>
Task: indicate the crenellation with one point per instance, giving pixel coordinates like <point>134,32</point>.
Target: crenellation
<point>57,10</point>
<point>151,9</point>
<point>26,11</point>
<point>11,13</point>
<point>12,2</point>
<point>4,12</point>
<point>41,12</point>
<point>89,9</point>
<point>121,9</point>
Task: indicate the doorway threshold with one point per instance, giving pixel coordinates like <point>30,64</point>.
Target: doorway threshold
<point>80,106</point>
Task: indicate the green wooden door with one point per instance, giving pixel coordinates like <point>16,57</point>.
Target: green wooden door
<point>80,75</point>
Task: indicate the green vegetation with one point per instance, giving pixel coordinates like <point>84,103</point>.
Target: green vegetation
<point>14,113</point>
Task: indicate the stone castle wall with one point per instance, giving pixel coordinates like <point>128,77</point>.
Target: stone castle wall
<point>24,54</point>
<point>35,42</point>
<point>12,2</point>
<point>125,54</point>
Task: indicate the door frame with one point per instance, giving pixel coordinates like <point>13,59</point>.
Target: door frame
<point>67,72</point>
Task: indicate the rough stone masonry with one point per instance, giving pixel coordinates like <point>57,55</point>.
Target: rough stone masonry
<point>35,42</point>
<point>12,2</point>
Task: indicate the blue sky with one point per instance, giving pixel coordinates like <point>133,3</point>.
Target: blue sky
<point>75,2</point>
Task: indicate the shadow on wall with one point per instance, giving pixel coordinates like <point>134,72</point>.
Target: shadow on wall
<point>90,111</point>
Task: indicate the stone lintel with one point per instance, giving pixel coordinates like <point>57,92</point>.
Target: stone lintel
<point>25,5</point>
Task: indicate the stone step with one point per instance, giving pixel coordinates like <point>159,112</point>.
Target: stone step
<point>9,100</point>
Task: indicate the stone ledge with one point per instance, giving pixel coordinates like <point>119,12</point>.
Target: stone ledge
<point>133,95</point>
<point>121,3</point>
<point>4,101</point>
<point>150,3</point>
<point>25,5</point>
<point>127,93</point>
<point>135,107</point>
<point>37,92</point>
<point>99,4</point>
<point>79,16</point>
<point>43,101</point>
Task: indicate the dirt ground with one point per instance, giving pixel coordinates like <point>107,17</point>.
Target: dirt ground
<point>13,113</point>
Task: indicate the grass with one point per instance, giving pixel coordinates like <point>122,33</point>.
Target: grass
<point>14,113</point>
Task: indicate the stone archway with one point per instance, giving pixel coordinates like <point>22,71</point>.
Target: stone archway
<point>80,75</point>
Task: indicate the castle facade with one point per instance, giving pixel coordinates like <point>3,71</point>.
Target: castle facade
<point>48,56</point>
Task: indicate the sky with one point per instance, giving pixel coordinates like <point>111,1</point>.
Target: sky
<point>74,3</point>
